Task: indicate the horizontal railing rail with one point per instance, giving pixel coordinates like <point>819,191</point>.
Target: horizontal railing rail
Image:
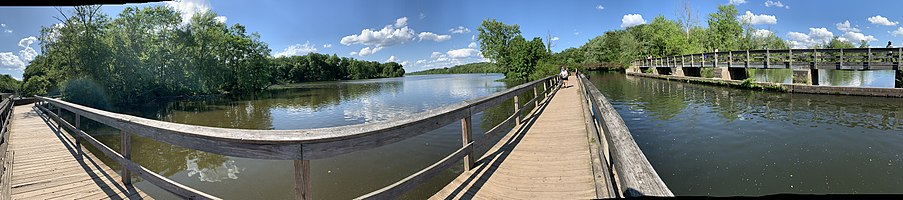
<point>850,59</point>
<point>631,173</point>
<point>299,145</point>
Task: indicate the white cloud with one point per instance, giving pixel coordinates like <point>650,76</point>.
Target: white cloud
<point>762,33</point>
<point>10,61</point>
<point>353,53</point>
<point>600,7</point>
<point>758,19</point>
<point>435,54</point>
<point>387,36</point>
<point>421,61</point>
<point>816,36</point>
<point>472,45</point>
<point>392,59</point>
<point>368,51</point>
<point>220,19</point>
<point>188,8</point>
<point>576,32</point>
<point>856,37</point>
<point>297,50</point>
<point>422,16</point>
<point>555,38</point>
<point>5,30</point>
<point>401,22</point>
<point>27,53</point>
<point>327,46</point>
<point>879,20</point>
<point>897,33</point>
<point>770,3</point>
<point>846,26</point>
<point>632,20</point>
<point>463,53</point>
<point>459,30</point>
<point>433,36</point>
<point>797,36</point>
<point>737,2</point>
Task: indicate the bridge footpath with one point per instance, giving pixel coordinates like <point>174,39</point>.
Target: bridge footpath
<point>571,145</point>
<point>547,157</point>
<point>48,164</point>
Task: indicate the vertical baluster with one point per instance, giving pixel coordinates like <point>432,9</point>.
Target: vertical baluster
<point>78,137</point>
<point>517,107</point>
<point>302,179</point>
<point>126,150</point>
<point>466,137</point>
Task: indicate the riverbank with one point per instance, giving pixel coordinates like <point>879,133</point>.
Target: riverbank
<point>792,88</point>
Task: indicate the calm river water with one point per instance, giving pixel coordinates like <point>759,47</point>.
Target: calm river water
<point>314,106</point>
<point>720,141</point>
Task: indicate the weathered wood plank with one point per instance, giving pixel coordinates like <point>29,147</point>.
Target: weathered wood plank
<point>547,157</point>
<point>55,170</point>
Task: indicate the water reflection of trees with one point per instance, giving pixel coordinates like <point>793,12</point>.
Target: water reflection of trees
<point>666,99</point>
<point>772,75</point>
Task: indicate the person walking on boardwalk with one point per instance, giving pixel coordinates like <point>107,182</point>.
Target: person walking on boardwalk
<point>564,77</point>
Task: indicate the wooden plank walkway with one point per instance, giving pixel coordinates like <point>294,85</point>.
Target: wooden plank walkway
<point>47,165</point>
<point>547,157</point>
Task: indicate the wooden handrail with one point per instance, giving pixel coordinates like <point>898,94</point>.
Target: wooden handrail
<point>635,176</point>
<point>6,112</point>
<point>298,145</point>
<point>843,59</point>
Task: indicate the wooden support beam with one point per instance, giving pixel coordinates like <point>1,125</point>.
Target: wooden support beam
<point>767,58</point>
<point>302,180</point>
<point>840,62</point>
<point>517,107</point>
<point>747,59</point>
<point>466,138</point>
<point>126,151</point>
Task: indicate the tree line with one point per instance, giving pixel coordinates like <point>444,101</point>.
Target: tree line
<point>322,67</point>
<point>150,52</point>
<point>478,67</point>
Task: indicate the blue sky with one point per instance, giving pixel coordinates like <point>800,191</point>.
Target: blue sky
<point>432,34</point>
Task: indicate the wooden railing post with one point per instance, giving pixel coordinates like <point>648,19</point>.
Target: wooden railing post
<point>302,179</point>
<point>466,137</point>
<point>59,126</point>
<point>535,99</point>
<point>126,151</point>
<point>517,107</point>
<point>840,63</point>
<point>78,129</point>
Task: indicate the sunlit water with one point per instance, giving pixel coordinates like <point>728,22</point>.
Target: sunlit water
<point>721,141</point>
<point>314,106</point>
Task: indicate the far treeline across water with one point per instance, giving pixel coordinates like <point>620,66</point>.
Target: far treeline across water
<point>146,53</point>
<point>472,68</point>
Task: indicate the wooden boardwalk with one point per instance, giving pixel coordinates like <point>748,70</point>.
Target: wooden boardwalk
<point>47,164</point>
<point>548,157</point>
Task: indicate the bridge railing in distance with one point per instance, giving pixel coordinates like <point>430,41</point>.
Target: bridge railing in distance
<point>840,59</point>
<point>301,146</point>
<point>631,173</point>
<point>6,112</point>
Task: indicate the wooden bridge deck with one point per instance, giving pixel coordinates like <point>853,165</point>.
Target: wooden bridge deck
<point>548,157</point>
<point>47,164</point>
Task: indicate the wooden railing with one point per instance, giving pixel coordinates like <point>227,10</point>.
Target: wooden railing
<point>299,145</point>
<point>631,174</point>
<point>841,59</point>
<point>6,112</point>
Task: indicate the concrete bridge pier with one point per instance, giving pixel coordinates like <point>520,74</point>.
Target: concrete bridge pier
<point>677,71</point>
<point>805,76</point>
